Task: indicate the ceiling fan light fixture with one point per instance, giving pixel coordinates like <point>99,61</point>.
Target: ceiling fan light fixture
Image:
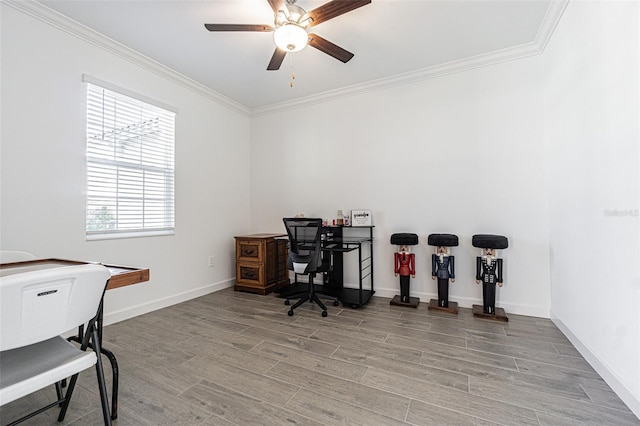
<point>290,37</point>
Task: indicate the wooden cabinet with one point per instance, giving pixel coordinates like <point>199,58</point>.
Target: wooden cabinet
<point>256,257</point>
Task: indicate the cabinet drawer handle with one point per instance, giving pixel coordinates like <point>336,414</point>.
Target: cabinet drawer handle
<point>248,274</point>
<point>248,252</point>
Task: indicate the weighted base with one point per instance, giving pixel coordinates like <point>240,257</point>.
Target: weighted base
<point>397,300</point>
<point>500,315</point>
<point>451,309</point>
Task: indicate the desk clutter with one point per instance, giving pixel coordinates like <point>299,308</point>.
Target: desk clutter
<point>488,271</point>
<point>356,218</point>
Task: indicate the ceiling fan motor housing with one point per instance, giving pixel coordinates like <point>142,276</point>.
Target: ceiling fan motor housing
<point>292,14</point>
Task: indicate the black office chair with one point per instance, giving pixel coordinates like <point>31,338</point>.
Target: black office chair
<point>305,257</point>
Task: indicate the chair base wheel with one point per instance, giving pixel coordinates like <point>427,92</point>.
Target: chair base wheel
<point>290,312</point>
<point>336,303</point>
<point>287,303</point>
<point>324,313</point>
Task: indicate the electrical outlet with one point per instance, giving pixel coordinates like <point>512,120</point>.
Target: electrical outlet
<point>212,261</point>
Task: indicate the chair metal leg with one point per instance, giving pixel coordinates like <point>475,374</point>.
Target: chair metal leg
<point>317,301</point>
<point>59,386</point>
<point>94,344</point>
<point>298,303</point>
<point>312,297</point>
<point>35,413</point>
<point>67,397</point>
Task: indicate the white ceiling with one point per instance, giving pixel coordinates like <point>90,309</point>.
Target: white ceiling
<point>391,39</point>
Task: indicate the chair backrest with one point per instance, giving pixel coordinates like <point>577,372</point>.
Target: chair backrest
<point>38,305</point>
<point>304,243</point>
<point>10,256</point>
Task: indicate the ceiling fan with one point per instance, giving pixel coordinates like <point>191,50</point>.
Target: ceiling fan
<point>290,28</point>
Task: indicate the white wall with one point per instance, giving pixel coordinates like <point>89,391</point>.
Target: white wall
<point>459,154</point>
<point>43,167</point>
<point>591,115</point>
<point>556,134</point>
<point>538,149</point>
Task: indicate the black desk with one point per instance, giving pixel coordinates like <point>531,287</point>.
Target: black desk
<point>338,240</point>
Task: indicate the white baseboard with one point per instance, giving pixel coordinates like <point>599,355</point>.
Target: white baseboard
<point>153,305</point>
<point>613,380</point>
<point>465,302</point>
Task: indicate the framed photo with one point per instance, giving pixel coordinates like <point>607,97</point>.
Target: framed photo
<point>361,218</point>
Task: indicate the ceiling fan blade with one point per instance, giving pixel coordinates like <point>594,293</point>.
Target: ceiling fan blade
<point>276,5</point>
<point>238,27</point>
<point>334,8</point>
<point>329,48</point>
<point>276,59</point>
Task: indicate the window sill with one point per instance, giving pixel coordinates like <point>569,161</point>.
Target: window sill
<point>121,235</point>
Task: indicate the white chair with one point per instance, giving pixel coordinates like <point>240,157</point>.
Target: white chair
<point>10,256</point>
<point>35,308</point>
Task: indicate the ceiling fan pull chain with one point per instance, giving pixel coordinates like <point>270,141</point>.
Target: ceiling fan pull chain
<point>293,74</point>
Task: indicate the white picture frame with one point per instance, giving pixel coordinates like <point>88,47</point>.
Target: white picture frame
<point>361,218</point>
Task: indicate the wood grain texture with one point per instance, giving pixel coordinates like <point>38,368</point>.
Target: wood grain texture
<point>235,358</point>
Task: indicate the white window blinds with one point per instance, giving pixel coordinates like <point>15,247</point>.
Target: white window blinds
<point>130,165</point>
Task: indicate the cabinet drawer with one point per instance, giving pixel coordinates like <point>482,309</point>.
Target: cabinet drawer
<point>250,274</point>
<point>249,251</point>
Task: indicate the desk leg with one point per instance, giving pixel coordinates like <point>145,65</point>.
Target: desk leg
<point>114,366</point>
<point>114,384</point>
<point>114,376</point>
<point>112,359</point>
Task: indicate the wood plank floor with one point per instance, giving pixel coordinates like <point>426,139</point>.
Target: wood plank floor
<point>232,358</point>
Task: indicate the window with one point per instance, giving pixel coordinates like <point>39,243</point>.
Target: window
<point>130,165</point>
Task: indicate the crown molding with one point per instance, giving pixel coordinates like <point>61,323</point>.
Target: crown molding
<point>68,25</point>
<point>545,31</point>
<point>550,22</point>
<point>411,77</point>
<point>536,47</point>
